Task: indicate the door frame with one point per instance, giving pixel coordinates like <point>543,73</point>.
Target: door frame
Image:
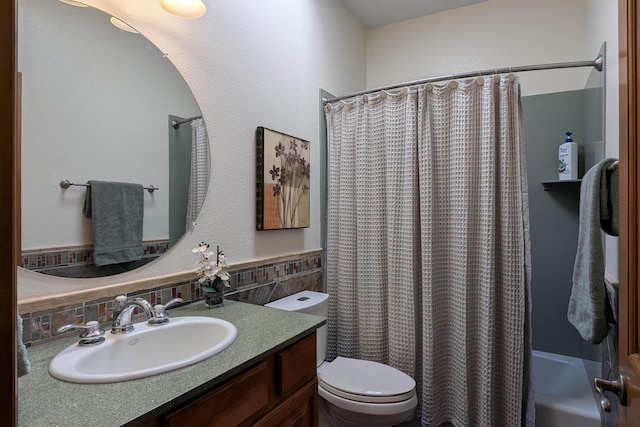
<point>9,195</point>
<point>629,241</point>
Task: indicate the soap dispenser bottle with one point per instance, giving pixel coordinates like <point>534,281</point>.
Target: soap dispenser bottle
<point>568,159</point>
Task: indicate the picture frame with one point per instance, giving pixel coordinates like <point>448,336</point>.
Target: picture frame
<point>282,180</point>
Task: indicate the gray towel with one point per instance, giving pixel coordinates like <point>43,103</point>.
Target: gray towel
<point>116,210</point>
<point>24,366</point>
<point>588,305</point>
<point>609,202</point>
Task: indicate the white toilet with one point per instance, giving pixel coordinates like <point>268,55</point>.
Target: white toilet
<point>353,392</point>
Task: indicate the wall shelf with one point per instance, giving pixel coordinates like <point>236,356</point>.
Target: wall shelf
<point>559,185</point>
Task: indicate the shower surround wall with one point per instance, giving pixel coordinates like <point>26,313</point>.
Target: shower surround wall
<point>554,214</point>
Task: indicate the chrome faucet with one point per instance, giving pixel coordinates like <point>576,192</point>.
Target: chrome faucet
<point>122,322</point>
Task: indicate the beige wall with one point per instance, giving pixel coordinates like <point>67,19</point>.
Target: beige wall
<point>503,33</point>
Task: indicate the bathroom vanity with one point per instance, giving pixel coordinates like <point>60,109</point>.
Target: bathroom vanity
<point>267,377</point>
<point>280,390</point>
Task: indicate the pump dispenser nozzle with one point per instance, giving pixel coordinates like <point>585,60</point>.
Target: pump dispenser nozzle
<point>569,139</point>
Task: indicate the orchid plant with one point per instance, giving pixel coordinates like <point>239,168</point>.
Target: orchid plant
<point>213,275</point>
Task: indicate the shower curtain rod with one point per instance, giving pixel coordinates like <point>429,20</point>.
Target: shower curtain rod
<point>597,63</point>
<point>176,124</point>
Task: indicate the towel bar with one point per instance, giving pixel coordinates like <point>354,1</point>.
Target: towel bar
<point>65,183</point>
<point>613,166</point>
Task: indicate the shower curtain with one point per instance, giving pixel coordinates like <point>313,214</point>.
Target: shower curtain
<point>427,245</point>
<point>200,165</point>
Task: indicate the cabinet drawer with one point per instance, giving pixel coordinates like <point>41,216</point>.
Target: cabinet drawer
<point>299,410</point>
<point>296,365</point>
<point>228,405</point>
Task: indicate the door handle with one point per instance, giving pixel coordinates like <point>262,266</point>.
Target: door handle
<point>615,386</point>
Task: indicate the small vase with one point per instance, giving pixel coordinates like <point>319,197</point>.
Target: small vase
<point>213,293</point>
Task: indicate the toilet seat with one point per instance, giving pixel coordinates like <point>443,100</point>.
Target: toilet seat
<point>365,398</point>
<point>365,381</point>
<point>399,409</point>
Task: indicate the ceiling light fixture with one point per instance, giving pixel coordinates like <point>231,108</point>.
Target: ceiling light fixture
<point>184,8</point>
<point>118,23</point>
<point>74,3</point>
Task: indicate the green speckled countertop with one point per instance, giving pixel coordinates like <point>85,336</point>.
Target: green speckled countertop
<point>46,401</point>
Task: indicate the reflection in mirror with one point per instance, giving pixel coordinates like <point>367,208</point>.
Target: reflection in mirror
<point>97,104</point>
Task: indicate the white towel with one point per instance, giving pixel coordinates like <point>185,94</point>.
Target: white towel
<point>24,366</point>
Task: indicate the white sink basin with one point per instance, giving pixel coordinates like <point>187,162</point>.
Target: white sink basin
<point>146,351</point>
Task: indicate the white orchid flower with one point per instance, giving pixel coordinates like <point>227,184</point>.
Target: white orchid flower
<point>215,270</point>
<point>208,267</point>
<point>201,248</point>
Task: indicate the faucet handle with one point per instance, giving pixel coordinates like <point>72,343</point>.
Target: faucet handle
<point>92,333</point>
<point>120,301</point>
<point>161,316</point>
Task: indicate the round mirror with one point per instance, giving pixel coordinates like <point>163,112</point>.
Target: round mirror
<point>98,103</point>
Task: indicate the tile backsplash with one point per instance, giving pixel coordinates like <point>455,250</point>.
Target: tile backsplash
<point>264,282</point>
<point>77,262</point>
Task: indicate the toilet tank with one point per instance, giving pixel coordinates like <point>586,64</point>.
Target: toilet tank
<point>309,302</point>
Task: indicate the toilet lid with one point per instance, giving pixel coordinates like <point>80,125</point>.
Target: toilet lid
<point>365,381</point>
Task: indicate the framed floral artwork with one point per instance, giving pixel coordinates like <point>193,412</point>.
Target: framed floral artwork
<point>282,180</point>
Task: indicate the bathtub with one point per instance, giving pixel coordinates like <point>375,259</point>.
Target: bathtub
<point>563,391</point>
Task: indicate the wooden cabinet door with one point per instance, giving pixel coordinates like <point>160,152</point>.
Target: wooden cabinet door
<point>299,410</point>
<point>226,406</point>
<point>629,335</point>
<point>296,365</point>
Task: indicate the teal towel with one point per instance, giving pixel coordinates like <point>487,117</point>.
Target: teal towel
<point>588,306</point>
<point>24,366</point>
<point>116,210</point>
